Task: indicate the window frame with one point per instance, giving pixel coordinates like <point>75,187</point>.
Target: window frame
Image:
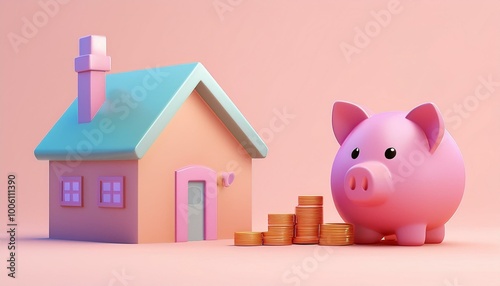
<point>71,191</point>
<point>112,180</point>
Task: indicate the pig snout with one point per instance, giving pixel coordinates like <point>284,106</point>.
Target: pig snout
<point>368,183</point>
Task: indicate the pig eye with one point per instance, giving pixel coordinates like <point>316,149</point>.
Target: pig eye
<point>355,153</point>
<point>390,153</point>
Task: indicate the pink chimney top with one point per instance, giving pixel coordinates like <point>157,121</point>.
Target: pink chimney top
<point>91,66</point>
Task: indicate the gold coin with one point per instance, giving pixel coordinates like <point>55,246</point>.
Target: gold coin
<point>335,243</point>
<point>335,235</point>
<point>338,226</point>
<point>270,243</point>
<point>306,227</point>
<point>247,238</point>
<point>306,240</point>
<point>338,237</point>
<point>340,242</point>
<point>310,221</point>
<point>329,241</point>
<point>281,234</point>
<point>309,209</point>
<point>336,231</point>
<point>277,240</point>
<point>281,228</point>
<point>310,200</point>
<point>315,221</point>
<point>346,238</point>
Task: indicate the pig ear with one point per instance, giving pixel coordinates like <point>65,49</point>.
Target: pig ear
<point>428,117</point>
<point>346,116</point>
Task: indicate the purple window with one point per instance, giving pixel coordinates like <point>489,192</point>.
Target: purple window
<point>71,191</point>
<point>111,192</point>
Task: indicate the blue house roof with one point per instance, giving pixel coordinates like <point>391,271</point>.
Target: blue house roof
<point>139,104</point>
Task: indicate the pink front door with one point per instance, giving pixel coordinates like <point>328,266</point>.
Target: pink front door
<point>195,204</point>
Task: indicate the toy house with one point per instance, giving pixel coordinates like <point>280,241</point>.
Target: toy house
<point>155,155</point>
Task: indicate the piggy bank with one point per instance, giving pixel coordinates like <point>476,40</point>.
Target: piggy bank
<point>396,173</point>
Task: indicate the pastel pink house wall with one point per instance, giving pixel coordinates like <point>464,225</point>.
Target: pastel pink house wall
<point>91,222</point>
<point>194,136</point>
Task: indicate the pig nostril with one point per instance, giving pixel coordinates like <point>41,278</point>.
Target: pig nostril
<point>352,183</point>
<point>364,184</point>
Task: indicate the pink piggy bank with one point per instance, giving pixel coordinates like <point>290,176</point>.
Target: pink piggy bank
<point>396,173</point>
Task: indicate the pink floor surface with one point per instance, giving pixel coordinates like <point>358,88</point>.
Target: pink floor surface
<point>467,257</point>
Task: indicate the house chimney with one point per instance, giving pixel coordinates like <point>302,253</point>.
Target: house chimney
<point>91,66</point>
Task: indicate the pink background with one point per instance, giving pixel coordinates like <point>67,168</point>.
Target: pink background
<point>270,57</point>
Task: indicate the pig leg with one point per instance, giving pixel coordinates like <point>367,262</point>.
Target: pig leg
<point>363,235</point>
<point>390,237</point>
<point>435,235</point>
<point>411,234</point>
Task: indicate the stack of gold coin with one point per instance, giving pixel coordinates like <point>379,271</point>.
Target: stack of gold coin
<point>309,216</point>
<point>280,229</point>
<point>248,238</point>
<point>336,234</point>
